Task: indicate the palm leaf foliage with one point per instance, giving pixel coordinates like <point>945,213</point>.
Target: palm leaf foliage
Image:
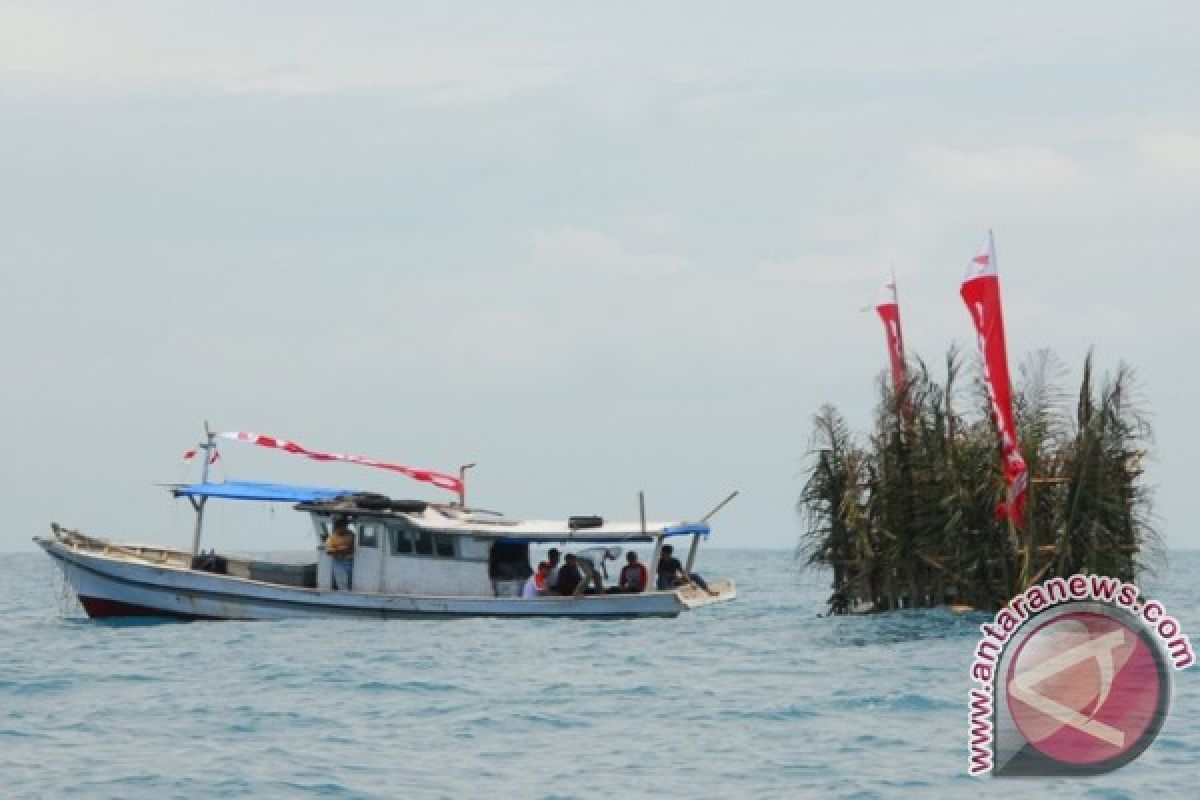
<point>906,516</point>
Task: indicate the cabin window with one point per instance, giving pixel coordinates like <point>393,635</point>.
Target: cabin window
<point>472,549</point>
<point>402,543</point>
<point>405,542</point>
<point>368,535</point>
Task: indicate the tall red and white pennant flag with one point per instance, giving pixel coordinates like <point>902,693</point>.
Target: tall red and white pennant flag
<point>438,479</point>
<point>887,307</point>
<point>980,290</point>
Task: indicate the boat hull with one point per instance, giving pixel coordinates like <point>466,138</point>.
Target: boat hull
<point>113,586</point>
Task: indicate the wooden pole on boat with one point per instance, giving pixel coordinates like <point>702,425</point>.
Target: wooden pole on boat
<point>720,505</point>
<point>462,484</point>
<point>652,567</point>
<point>691,559</point>
<point>652,576</point>
<point>207,447</point>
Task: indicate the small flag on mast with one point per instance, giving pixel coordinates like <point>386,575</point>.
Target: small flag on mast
<point>887,306</point>
<point>190,454</point>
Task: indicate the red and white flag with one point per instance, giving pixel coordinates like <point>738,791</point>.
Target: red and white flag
<point>980,290</point>
<point>887,307</point>
<point>190,454</point>
<point>438,479</point>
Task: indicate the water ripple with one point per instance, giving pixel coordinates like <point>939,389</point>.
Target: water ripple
<point>758,699</point>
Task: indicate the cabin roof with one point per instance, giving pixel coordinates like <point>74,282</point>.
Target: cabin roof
<point>440,517</point>
<point>548,530</point>
<point>490,524</point>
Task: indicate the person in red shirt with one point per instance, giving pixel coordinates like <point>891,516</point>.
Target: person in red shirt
<point>633,575</point>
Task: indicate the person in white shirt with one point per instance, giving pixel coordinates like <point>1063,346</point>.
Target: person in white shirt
<point>536,585</point>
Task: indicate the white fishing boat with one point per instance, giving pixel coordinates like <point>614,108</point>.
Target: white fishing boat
<point>410,559</point>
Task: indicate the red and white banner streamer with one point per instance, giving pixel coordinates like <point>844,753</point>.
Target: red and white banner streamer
<point>981,292</point>
<point>888,309</point>
<point>438,479</point>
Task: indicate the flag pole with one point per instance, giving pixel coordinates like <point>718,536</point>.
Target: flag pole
<point>462,484</point>
<point>905,408</point>
<point>207,446</point>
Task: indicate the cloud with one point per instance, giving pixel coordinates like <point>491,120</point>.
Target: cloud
<point>1019,167</point>
<point>196,46</point>
<point>578,251</point>
<point>666,212</point>
<point>1172,154</point>
<point>817,273</point>
<point>584,302</point>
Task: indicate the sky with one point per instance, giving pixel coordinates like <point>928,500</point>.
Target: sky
<point>595,248</point>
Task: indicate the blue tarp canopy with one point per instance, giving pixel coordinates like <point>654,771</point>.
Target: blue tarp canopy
<point>688,529</point>
<point>270,492</point>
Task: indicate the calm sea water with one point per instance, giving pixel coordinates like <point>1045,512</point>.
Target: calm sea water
<point>756,699</point>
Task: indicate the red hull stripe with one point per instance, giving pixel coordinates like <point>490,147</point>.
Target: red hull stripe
<point>101,607</point>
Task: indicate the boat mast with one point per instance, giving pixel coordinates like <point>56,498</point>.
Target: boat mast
<point>652,569</point>
<point>208,447</point>
<point>691,559</point>
<point>462,484</point>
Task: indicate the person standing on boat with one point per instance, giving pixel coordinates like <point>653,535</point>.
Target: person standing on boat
<point>592,562</point>
<point>671,573</point>
<point>340,548</point>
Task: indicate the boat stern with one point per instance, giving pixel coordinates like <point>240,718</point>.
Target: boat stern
<point>721,590</point>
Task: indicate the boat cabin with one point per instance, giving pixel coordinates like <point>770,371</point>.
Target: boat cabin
<point>394,556</point>
<point>411,547</point>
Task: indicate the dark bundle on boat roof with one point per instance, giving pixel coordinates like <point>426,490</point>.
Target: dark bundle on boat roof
<point>371,501</point>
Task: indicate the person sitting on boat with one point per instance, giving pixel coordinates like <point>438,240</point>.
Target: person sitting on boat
<point>671,573</point>
<point>340,548</point>
<point>536,585</point>
<point>570,578</point>
<point>592,562</point>
<point>552,558</point>
<point>634,575</point>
